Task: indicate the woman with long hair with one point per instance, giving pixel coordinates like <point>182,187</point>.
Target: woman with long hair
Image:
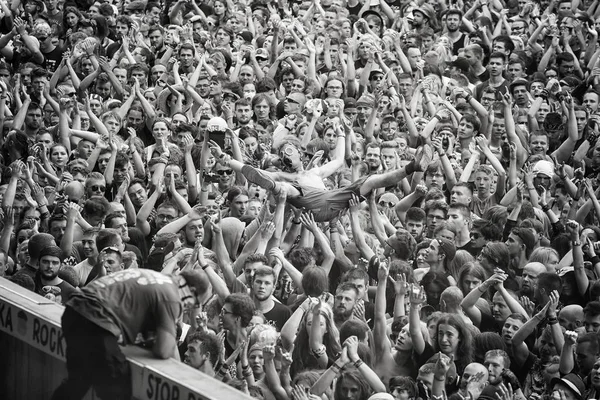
<point>454,339</point>
<point>470,276</point>
<point>317,343</point>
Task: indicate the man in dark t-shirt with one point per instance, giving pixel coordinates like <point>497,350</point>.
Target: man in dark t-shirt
<point>263,286</point>
<point>121,305</point>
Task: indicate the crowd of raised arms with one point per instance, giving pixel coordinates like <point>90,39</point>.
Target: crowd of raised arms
<point>369,199</point>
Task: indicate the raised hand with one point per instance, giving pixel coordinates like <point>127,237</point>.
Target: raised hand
<point>417,295</point>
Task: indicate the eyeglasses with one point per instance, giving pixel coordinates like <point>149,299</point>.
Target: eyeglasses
<point>290,100</point>
<point>224,172</point>
<point>98,188</point>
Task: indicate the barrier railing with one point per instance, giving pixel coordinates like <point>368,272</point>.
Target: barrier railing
<point>35,323</point>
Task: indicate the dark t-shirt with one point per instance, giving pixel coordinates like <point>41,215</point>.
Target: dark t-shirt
<point>53,58</point>
<point>470,247</point>
<point>130,302</point>
<point>278,316</point>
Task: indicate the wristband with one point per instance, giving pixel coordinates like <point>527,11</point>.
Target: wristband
<point>205,266</point>
<point>575,243</point>
<point>358,363</point>
<point>296,222</point>
<point>468,98</point>
<point>595,260</point>
<point>545,208</point>
<point>553,321</point>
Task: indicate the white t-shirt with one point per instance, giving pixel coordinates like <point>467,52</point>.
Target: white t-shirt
<point>83,270</point>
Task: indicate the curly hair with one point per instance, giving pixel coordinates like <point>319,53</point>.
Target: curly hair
<point>242,306</point>
<point>464,350</point>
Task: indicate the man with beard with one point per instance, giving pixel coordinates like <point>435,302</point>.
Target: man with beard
<point>203,351</point>
<point>373,157</point>
<point>156,37</point>
<point>471,370</point>
<point>243,114</point>
<point>424,17</point>
<point>51,258</point>
<point>34,119</point>
<point>124,24</point>
<point>263,285</point>
<point>453,22</point>
<point>345,299</point>
<point>474,55</point>
<point>531,272</point>
<point>496,361</point>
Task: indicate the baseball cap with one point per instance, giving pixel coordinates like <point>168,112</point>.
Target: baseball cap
<point>349,103</point>
<point>573,382</point>
<point>543,167</point>
<point>403,244</point>
<point>262,54</point>
<point>366,100</point>
<point>461,63</point>
<point>216,124</point>
<point>230,93</point>
<point>246,35</point>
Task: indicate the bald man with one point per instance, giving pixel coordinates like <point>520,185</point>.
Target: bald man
<point>470,370</point>
<point>531,271</point>
<point>450,300</point>
<point>75,191</point>
<point>571,318</point>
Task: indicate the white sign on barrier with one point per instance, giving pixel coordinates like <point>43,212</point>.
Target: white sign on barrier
<point>33,330</point>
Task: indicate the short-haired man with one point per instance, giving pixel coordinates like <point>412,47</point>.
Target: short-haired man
<point>263,286</point>
<point>47,278</point>
<point>496,362</point>
<point>591,316</point>
<point>345,299</point>
<point>124,305</point>
<point>459,221</point>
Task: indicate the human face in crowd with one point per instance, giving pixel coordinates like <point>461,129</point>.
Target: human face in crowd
<point>448,339</point>
<point>165,215</point>
<point>500,310</point>
<point>239,205</point>
<point>510,327</point>
<point>344,303</point>
<point>495,367</point>
<point>461,194</point>
<point>538,144</point>
<point>194,356</point>
<point>590,101</point>
<point>243,114</point>
<point>262,110</point>
<point>49,267</point>
<point>515,245</point>
<point>194,231</point>
<point>434,217</point>
<point>263,287</point>
<point>435,179</point>
<point>592,323</point>
<point>90,250</point>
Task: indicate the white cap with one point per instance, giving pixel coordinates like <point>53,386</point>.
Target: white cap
<point>216,124</point>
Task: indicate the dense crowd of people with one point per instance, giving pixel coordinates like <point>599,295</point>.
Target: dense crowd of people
<point>318,199</point>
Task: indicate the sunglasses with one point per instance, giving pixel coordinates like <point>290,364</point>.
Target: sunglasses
<point>224,172</point>
<point>72,94</point>
<point>388,204</point>
<point>377,78</point>
<point>98,188</point>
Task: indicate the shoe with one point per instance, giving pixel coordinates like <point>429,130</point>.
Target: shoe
<point>256,176</point>
<point>423,157</point>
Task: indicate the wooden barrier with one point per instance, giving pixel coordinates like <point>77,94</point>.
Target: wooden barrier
<point>32,350</point>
